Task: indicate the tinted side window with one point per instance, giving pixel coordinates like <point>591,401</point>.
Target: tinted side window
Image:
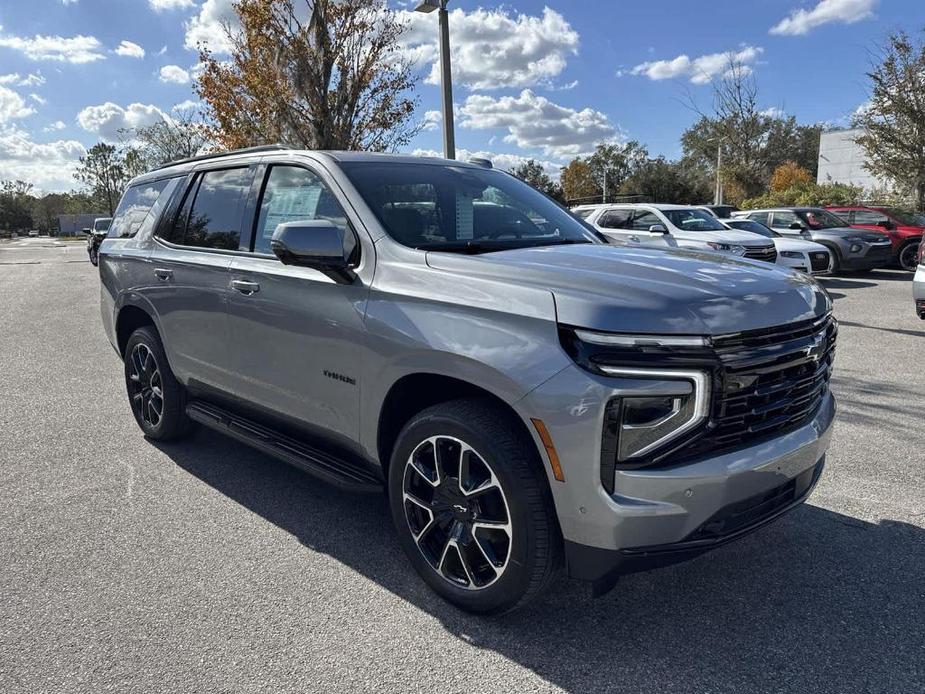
<point>643,220</point>
<point>134,207</point>
<point>760,217</point>
<point>215,216</point>
<point>868,217</point>
<point>294,194</point>
<point>615,219</point>
<point>783,220</point>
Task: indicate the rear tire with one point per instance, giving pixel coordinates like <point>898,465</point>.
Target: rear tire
<point>94,257</point>
<point>460,471</point>
<point>907,256</point>
<point>157,398</point>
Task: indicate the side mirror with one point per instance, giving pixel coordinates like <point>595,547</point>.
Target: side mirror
<point>86,230</point>
<point>658,229</point>
<point>315,243</point>
<point>797,226</point>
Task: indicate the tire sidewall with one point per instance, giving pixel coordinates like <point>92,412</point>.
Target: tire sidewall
<point>507,590</point>
<point>912,246</point>
<point>169,385</point>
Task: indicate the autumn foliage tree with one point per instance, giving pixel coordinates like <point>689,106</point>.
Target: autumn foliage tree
<point>318,74</point>
<point>788,175</point>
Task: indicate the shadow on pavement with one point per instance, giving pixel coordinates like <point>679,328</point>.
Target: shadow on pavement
<point>898,331</point>
<point>818,602</point>
<point>844,283</point>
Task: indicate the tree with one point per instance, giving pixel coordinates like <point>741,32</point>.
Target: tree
<point>532,172</point>
<point>808,194</point>
<point>612,163</point>
<point>103,170</point>
<point>15,205</point>
<point>894,119</point>
<point>577,181</point>
<point>754,141</point>
<point>337,81</point>
<point>787,175</point>
<point>182,134</point>
<point>661,180</point>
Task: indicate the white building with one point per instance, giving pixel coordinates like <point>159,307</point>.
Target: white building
<point>841,160</point>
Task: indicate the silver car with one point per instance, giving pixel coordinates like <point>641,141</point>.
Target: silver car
<point>851,249</point>
<point>529,397</point>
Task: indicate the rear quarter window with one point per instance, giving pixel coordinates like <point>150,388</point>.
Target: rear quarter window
<point>135,206</point>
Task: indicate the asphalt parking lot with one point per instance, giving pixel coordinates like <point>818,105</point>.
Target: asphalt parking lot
<point>204,566</point>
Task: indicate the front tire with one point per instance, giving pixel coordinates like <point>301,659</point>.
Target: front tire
<point>157,399</point>
<point>471,504</point>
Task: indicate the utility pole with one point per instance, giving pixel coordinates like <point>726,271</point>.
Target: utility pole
<point>446,75</point>
<point>605,186</point>
<point>718,193</point>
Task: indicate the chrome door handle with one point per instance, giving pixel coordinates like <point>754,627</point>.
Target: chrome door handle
<point>162,273</point>
<point>245,287</point>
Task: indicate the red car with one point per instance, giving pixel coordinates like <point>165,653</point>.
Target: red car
<point>904,230</point>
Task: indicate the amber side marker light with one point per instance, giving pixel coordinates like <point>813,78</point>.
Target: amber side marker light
<point>550,449</point>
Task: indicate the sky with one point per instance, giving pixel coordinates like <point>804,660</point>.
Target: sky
<point>532,79</point>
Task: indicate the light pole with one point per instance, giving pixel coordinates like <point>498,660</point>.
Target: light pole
<point>718,192</point>
<point>446,77</point>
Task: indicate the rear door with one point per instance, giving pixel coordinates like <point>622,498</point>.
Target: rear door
<point>867,219</point>
<point>299,335</point>
<point>190,266</point>
<point>615,225</point>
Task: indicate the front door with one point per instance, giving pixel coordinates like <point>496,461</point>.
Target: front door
<point>298,335</point>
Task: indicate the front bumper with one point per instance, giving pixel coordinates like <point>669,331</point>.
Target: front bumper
<point>659,510</point>
<point>870,256</point>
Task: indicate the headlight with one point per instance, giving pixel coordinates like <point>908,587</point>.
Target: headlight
<point>791,254</point>
<point>635,426</point>
<point>666,407</point>
<point>727,248</point>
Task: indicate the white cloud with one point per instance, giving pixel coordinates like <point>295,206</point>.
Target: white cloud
<point>801,21</point>
<point>105,120</point>
<point>505,162</point>
<point>130,50</point>
<point>174,74</point>
<point>49,166</point>
<point>12,105</point>
<point>702,69</point>
<point>31,80</point>
<point>492,48</point>
<point>76,49</point>
<point>535,122</point>
<point>774,112</point>
<point>208,27</point>
<point>162,5</point>
<point>432,120</point>
<point>38,99</point>
<point>187,105</point>
<point>57,125</point>
<point>68,2</point>
<point>163,50</point>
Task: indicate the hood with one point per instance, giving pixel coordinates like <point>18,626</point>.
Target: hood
<point>650,290</point>
<point>785,244</point>
<point>735,236</point>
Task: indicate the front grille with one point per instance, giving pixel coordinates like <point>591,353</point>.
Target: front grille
<point>771,380</point>
<point>766,253</point>
<point>819,261</point>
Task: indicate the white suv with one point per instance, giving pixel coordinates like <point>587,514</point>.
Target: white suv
<point>674,225</point>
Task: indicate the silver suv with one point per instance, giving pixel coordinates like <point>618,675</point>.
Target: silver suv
<point>528,396</point>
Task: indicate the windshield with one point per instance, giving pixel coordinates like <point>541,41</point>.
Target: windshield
<point>820,219</point>
<point>902,217</point>
<point>752,226</point>
<point>462,209</point>
<point>692,219</point>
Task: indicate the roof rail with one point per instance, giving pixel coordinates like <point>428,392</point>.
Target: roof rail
<point>227,153</point>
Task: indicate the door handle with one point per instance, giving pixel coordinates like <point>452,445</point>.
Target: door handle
<point>162,273</point>
<point>634,238</point>
<point>245,287</point>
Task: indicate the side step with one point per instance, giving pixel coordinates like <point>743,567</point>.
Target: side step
<point>339,472</point>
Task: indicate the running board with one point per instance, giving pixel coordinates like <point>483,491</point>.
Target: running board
<point>340,472</point>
